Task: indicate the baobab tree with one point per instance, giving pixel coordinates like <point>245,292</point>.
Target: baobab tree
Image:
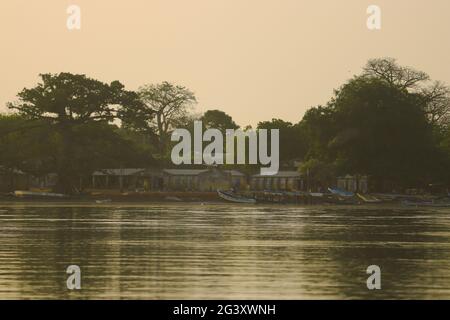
<point>166,104</point>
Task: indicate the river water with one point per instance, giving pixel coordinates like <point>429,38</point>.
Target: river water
<point>194,251</point>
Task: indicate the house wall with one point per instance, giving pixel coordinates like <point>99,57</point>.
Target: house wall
<point>128,182</point>
<point>208,181</point>
<point>44,182</point>
<point>275,183</point>
<point>212,183</point>
<point>198,180</point>
<point>181,182</point>
<point>353,184</point>
<point>238,182</point>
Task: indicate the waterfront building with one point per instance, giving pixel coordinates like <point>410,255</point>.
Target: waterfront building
<point>210,179</point>
<point>282,181</point>
<point>135,179</point>
<point>353,183</point>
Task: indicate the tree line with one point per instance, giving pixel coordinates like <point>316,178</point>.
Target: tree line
<point>390,122</point>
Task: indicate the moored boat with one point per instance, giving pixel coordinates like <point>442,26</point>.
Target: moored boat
<point>368,198</point>
<point>229,196</point>
<point>340,192</point>
<point>31,194</point>
<point>103,201</point>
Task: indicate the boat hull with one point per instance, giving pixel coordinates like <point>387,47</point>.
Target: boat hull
<point>234,198</point>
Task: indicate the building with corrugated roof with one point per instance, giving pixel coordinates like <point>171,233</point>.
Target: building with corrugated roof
<point>122,178</point>
<point>282,181</point>
<point>209,179</point>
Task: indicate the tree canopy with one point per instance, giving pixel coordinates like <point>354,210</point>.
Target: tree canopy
<point>165,106</point>
<point>386,123</point>
<point>391,122</point>
<point>72,111</point>
<point>218,119</point>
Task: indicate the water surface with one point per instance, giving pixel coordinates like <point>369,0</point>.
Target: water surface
<point>193,251</point>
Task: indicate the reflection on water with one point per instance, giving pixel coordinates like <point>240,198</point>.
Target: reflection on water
<point>222,252</point>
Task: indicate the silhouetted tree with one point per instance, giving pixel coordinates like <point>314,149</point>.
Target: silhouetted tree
<point>218,120</point>
<point>67,102</point>
<point>165,104</point>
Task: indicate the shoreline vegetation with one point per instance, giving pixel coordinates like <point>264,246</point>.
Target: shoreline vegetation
<point>388,128</point>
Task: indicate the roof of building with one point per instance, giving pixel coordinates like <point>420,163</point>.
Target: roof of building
<point>349,176</point>
<point>178,172</point>
<point>185,172</point>
<point>235,173</point>
<point>117,172</point>
<point>281,174</point>
<point>150,172</point>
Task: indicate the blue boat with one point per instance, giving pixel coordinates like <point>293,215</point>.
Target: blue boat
<point>340,192</point>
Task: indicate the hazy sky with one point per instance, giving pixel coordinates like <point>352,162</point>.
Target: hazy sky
<point>254,59</point>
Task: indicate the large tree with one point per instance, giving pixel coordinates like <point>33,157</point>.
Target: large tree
<point>372,127</point>
<point>435,95</point>
<point>166,105</point>
<point>436,98</point>
<point>66,102</point>
<point>387,69</point>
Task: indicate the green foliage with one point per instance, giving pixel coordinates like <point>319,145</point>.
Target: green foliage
<point>292,139</point>
<point>67,98</point>
<point>318,173</point>
<point>218,120</point>
<point>374,128</point>
<point>318,128</point>
<point>70,113</point>
<point>37,149</point>
<point>25,145</point>
<point>382,131</point>
<point>390,122</point>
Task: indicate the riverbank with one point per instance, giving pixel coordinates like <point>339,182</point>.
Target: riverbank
<point>115,196</point>
<point>262,197</point>
<point>5,205</point>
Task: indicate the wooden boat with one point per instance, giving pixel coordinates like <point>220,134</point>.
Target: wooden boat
<point>172,198</point>
<point>229,196</point>
<point>368,198</point>
<point>341,193</point>
<point>390,196</point>
<point>26,194</point>
<point>103,201</point>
